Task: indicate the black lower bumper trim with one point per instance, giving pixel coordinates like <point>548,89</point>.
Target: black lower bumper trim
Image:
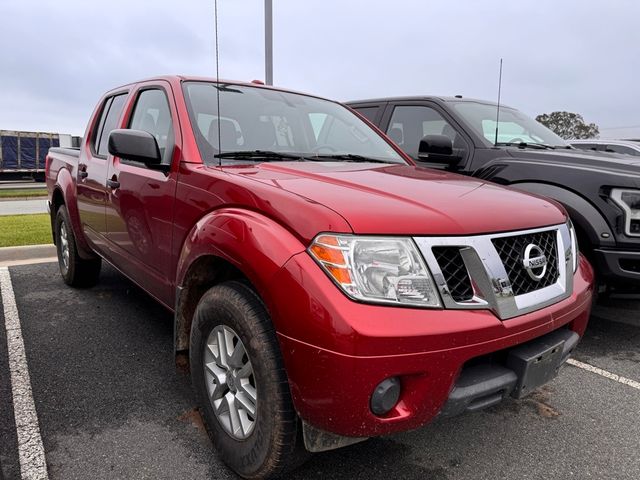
<point>618,266</point>
<point>528,366</point>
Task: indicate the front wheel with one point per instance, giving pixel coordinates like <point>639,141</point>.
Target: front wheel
<point>241,385</point>
<point>75,270</point>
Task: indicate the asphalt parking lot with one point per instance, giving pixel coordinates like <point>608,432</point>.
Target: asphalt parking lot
<point>111,404</point>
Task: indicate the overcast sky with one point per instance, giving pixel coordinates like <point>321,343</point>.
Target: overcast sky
<point>58,57</point>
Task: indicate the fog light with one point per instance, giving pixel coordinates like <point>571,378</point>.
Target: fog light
<point>385,396</point>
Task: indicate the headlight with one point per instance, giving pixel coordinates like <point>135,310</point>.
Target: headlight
<point>629,201</point>
<point>574,246</point>
<point>376,269</point>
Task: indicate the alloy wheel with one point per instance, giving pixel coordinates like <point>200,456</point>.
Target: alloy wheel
<point>230,382</point>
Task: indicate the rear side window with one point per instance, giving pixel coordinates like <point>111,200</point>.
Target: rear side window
<point>622,149</point>
<point>368,112</point>
<point>95,140</point>
<point>317,122</point>
<point>108,122</point>
<point>152,114</point>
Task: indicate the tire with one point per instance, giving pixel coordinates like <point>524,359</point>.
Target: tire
<point>75,271</point>
<point>272,445</point>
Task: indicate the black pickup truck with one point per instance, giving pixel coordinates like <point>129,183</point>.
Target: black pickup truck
<point>600,191</point>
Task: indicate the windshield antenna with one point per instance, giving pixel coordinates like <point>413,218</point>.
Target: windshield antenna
<point>218,84</point>
<point>495,143</point>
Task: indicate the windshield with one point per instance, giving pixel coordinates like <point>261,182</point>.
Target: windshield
<point>258,124</point>
<point>513,127</point>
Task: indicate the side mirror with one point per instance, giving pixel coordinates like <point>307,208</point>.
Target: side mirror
<point>136,145</point>
<point>437,149</point>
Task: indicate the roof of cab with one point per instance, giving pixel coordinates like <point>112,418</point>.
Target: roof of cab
<point>184,78</point>
<point>433,98</point>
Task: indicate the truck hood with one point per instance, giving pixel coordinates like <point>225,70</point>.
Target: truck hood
<point>407,200</point>
<point>583,159</point>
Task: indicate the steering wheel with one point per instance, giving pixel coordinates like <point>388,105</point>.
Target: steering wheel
<point>516,140</point>
<point>324,146</point>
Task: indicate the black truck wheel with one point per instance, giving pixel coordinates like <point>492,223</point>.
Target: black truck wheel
<point>241,385</point>
<point>75,271</point>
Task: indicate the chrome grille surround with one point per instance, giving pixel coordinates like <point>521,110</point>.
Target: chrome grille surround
<point>491,286</point>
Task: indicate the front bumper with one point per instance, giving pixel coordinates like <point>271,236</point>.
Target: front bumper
<point>619,267</point>
<point>526,367</point>
<point>336,351</point>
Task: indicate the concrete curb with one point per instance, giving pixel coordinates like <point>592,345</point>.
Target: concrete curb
<point>27,254</point>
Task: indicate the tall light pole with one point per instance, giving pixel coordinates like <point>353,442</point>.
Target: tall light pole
<point>268,41</point>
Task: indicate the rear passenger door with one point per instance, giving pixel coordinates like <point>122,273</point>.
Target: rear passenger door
<point>92,170</point>
<point>140,205</point>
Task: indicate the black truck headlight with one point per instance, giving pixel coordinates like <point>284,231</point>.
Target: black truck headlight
<point>629,201</point>
<point>376,269</point>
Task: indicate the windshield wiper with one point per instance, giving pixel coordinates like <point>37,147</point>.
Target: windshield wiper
<point>542,146</point>
<point>271,155</point>
<point>260,154</point>
<point>349,157</point>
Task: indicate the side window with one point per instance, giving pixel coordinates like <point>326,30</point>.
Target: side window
<point>152,114</point>
<point>410,123</point>
<point>585,146</point>
<point>111,114</point>
<point>317,121</point>
<point>95,136</point>
<point>280,125</point>
<point>368,112</point>
<point>622,149</point>
<point>229,129</point>
<point>341,136</point>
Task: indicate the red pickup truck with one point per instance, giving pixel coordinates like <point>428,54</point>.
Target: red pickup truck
<point>325,288</point>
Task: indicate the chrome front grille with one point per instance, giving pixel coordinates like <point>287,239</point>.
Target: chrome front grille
<point>509,273</point>
<point>511,251</point>
<point>455,272</point>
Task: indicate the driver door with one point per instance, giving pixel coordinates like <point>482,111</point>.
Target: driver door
<point>408,124</point>
<point>140,205</point>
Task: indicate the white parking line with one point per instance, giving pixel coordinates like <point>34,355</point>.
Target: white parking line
<point>604,373</point>
<point>33,465</point>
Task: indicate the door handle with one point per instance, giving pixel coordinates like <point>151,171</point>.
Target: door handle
<point>113,184</point>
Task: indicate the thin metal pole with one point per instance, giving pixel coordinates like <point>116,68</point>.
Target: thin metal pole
<point>268,41</point>
<point>218,84</point>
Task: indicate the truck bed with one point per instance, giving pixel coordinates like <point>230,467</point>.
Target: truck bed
<point>70,151</point>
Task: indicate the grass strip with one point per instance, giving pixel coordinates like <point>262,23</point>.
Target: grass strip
<point>18,230</point>
<point>22,192</point>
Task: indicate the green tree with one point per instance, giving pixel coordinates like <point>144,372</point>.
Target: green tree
<point>568,125</point>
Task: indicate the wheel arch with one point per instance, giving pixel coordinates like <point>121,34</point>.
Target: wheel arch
<point>57,200</point>
<point>65,190</point>
<point>228,244</point>
<point>589,222</point>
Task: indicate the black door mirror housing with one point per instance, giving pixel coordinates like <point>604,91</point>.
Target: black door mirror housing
<point>437,149</point>
<point>136,145</point>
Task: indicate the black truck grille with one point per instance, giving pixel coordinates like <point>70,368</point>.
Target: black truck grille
<point>511,251</point>
<point>455,272</point>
